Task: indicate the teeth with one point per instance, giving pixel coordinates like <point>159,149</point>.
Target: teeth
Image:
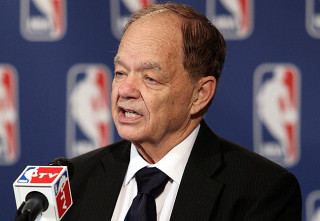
<point>130,114</point>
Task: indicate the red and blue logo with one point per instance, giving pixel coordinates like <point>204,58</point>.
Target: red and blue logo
<point>43,20</point>
<point>233,18</point>
<point>313,206</point>
<point>39,175</point>
<point>89,121</point>
<point>313,18</point>
<point>63,194</point>
<point>9,123</point>
<point>120,11</point>
<point>276,112</point>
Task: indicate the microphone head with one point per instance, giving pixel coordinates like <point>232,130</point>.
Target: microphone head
<point>62,161</point>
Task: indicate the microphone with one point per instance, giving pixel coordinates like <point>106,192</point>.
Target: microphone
<point>43,192</point>
<point>61,161</point>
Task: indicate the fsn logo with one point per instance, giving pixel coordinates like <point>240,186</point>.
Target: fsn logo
<point>43,20</point>
<point>89,121</point>
<point>9,122</point>
<point>233,18</point>
<point>276,101</point>
<point>120,12</point>
<point>313,206</point>
<point>313,18</point>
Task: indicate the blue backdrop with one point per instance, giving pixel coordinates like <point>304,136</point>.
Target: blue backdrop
<point>56,68</point>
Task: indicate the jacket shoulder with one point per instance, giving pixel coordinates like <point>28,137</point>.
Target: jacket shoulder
<point>98,153</point>
<point>237,155</point>
<point>87,163</point>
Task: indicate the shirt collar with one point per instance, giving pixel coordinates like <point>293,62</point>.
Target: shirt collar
<point>176,158</point>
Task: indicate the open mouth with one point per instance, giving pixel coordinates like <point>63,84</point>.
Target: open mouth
<point>129,113</point>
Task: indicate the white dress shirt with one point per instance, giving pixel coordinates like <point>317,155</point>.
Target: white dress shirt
<point>172,164</point>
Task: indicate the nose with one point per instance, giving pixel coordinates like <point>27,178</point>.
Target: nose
<point>129,88</point>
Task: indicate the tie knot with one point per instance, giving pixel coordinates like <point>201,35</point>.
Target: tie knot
<point>151,181</point>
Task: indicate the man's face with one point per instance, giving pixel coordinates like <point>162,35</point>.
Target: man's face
<point>151,92</point>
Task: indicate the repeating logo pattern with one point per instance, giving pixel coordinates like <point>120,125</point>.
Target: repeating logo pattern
<point>313,206</point>
<point>89,122</point>
<point>313,18</point>
<point>9,144</point>
<point>233,18</point>
<point>43,20</point>
<point>276,112</point>
<point>120,12</point>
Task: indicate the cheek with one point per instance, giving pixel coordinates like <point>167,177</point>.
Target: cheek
<point>180,101</point>
<point>157,104</point>
<point>114,98</point>
<point>178,96</point>
<point>114,90</point>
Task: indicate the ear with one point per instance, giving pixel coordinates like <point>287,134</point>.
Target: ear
<point>203,93</point>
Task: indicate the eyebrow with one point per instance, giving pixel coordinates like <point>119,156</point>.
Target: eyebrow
<point>118,61</point>
<point>142,66</point>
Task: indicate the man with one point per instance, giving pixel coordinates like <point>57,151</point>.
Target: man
<point>166,71</point>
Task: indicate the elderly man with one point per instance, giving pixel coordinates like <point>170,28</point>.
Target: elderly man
<point>170,165</point>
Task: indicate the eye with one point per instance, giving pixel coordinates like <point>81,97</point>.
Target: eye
<point>151,79</point>
<point>118,74</point>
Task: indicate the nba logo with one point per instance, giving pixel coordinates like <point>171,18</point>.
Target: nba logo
<point>313,206</point>
<point>43,20</point>
<point>313,18</point>
<point>120,12</point>
<point>9,145</point>
<point>27,175</point>
<point>89,121</point>
<point>63,194</point>
<point>233,18</point>
<point>276,112</point>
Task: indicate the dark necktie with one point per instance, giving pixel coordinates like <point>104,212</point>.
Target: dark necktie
<point>151,182</point>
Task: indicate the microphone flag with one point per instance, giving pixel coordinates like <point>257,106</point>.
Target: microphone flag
<point>52,182</point>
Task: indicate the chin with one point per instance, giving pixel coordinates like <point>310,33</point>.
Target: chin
<point>128,134</point>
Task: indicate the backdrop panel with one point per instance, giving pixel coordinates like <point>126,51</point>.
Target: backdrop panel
<point>56,69</point>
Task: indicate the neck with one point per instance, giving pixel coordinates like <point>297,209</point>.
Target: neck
<point>154,152</point>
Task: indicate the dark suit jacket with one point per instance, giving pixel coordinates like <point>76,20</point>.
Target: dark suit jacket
<point>222,181</point>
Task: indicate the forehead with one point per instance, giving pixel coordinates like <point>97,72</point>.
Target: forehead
<point>163,20</point>
<point>157,33</point>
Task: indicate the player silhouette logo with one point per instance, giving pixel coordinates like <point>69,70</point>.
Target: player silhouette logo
<point>120,11</point>
<point>234,18</point>
<point>89,116</point>
<point>9,146</point>
<point>43,20</point>
<point>277,113</point>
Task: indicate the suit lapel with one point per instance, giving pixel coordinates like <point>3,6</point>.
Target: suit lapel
<point>198,191</point>
<point>115,170</point>
<point>106,182</point>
